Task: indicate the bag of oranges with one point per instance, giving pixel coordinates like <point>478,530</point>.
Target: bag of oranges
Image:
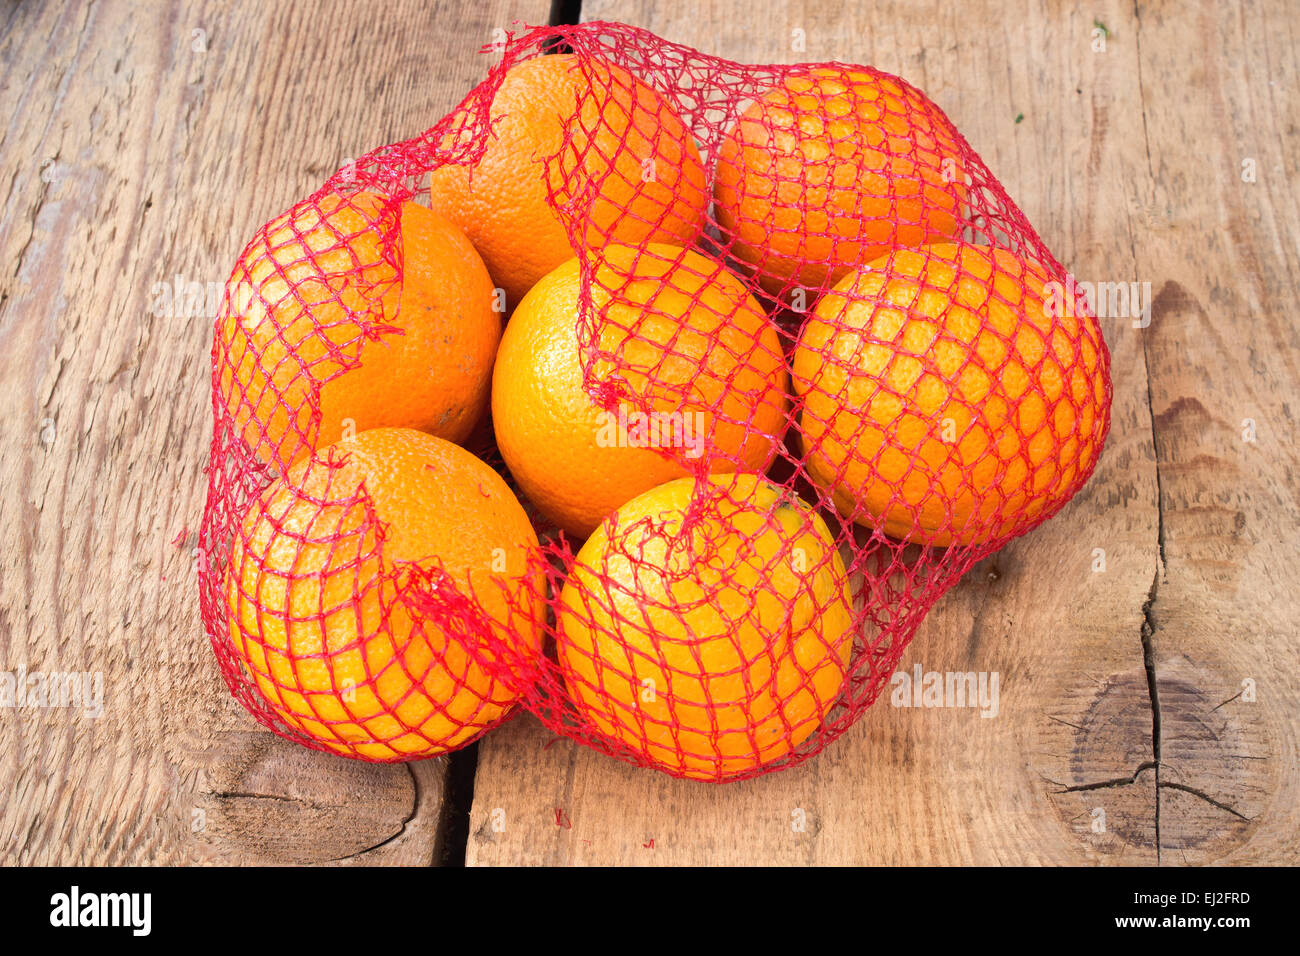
<point>658,395</point>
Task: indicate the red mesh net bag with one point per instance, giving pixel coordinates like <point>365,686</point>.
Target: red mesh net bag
<point>782,362</point>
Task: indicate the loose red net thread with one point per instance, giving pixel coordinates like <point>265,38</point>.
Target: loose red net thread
<point>940,403</point>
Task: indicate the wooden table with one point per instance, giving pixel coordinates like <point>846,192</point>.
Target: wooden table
<point>1146,638</point>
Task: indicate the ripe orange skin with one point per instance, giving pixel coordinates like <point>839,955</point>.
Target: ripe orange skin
<point>900,348</point>
<point>339,643</point>
<point>615,123</point>
<point>696,342</point>
<point>430,371</point>
<point>832,169</point>
<point>742,627</point>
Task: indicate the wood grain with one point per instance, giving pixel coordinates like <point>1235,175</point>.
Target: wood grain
<point>1147,711</point>
<point>1112,743</point>
<point>1223,254</point>
<point>142,142</point>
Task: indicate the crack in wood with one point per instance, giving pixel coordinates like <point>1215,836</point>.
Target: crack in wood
<point>1148,631</point>
<point>451,841</point>
<point>246,795</point>
<point>1148,626</point>
<point>1204,796</point>
<point>1065,722</point>
<point>415,810</point>
<point>1113,782</point>
<point>1226,702</point>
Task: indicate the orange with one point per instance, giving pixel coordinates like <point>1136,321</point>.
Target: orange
<point>610,149</point>
<point>943,401</point>
<point>831,169</point>
<point>338,604</point>
<point>317,319</point>
<point>692,346</point>
<point>712,649</point>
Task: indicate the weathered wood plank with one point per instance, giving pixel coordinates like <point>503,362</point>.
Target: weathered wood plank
<point>142,142</point>
<point>1067,771</point>
<point>1223,253</point>
<point>134,153</point>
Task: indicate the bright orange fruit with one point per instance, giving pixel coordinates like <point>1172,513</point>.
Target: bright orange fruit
<point>604,143</point>
<point>711,650</point>
<point>943,401</point>
<point>831,169</point>
<point>685,337</point>
<point>319,320</point>
<point>343,637</point>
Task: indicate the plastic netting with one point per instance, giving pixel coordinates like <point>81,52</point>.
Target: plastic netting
<point>797,290</point>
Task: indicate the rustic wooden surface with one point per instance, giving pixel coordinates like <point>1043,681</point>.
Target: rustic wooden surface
<point>144,141</point>
<point>1128,161</point>
<point>136,150</point>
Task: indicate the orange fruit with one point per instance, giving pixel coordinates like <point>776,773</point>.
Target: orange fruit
<point>317,319</point>
<point>712,649</point>
<point>628,172</point>
<point>832,168</point>
<point>338,604</point>
<point>691,345</point>
<point>943,401</point>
